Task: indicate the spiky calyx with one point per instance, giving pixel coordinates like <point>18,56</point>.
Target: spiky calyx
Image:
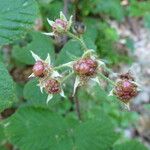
<point>52,86</point>
<point>85,67</point>
<point>59,25</point>
<point>125,90</point>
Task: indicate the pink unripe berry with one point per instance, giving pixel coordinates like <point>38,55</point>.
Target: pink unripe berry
<point>59,23</point>
<point>38,69</point>
<point>52,86</point>
<point>85,67</point>
<point>125,90</point>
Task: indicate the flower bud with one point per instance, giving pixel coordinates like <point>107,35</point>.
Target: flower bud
<point>38,69</point>
<point>85,67</point>
<point>52,86</point>
<point>60,25</point>
<point>125,90</point>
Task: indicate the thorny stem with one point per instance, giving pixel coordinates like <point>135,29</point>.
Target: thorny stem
<point>59,67</point>
<point>107,79</point>
<point>78,39</point>
<point>107,69</point>
<point>66,77</point>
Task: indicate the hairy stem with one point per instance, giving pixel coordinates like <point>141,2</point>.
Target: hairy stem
<point>78,39</point>
<point>107,79</point>
<point>77,105</point>
<point>107,69</point>
<point>67,77</point>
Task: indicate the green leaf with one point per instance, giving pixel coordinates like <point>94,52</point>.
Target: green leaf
<point>7,89</point>
<point>91,28</point>
<point>70,50</point>
<point>147,20</point>
<point>3,148</point>
<point>35,98</point>
<point>16,17</point>
<point>130,145</point>
<point>95,135</point>
<point>110,8</point>
<point>33,94</point>
<point>40,45</point>
<point>37,129</point>
<point>139,9</point>
<point>2,136</point>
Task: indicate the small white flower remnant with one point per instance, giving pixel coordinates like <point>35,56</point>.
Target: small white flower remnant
<point>86,68</point>
<point>44,71</point>
<point>60,25</point>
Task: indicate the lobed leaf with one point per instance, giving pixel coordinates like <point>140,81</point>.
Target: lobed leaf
<point>95,135</point>
<point>40,45</point>
<point>16,17</point>
<point>130,145</point>
<point>7,89</point>
<point>37,129</point>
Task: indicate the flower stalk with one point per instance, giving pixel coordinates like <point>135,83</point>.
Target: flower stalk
<point>84,47</point>
<point>107,79</point>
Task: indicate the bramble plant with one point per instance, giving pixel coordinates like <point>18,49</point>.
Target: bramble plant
<point>87,67</point>
<point>59,89</point>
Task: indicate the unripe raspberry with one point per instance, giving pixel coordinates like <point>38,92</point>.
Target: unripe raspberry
<point>52,86</point>
<point>85,67</point>
<point>38,69</point>
<point>125,90</point>
<point>59,25</point>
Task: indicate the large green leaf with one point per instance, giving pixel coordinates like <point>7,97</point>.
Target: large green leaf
<point>2,137</point>
<point>41,45</point>
<point>16,16</point>
<point>137,9</point>
<point>34,97</point>
<point>110,8</point>
<point>37,129</point>
<point>130,145</point>
<point>95,135</point>
<point>91,28</point>
<point>7,89</point>
<point>33,94</point>
<point>70,50</point>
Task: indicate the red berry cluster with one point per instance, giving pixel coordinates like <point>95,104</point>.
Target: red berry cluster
<point>85,67</point>
<point>52,86</point>
<point>125,88</point>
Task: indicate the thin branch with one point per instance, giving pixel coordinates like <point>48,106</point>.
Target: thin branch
<point>77,105</point>
<point>78,39</point>
<point>65,7</point>
<point>107,79</point>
